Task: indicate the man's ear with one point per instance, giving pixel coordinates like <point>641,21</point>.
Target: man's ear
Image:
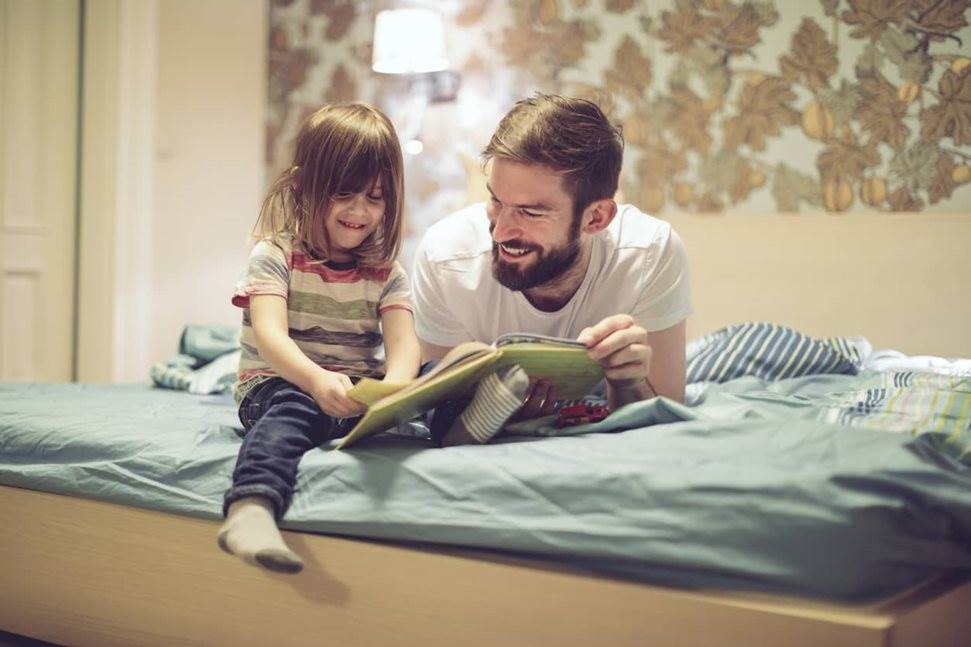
<point>598,215</point>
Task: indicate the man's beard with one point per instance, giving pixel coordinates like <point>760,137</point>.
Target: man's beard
<point>548,266</point>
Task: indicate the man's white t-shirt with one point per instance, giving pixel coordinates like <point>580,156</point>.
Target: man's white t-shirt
<point>638,266</point>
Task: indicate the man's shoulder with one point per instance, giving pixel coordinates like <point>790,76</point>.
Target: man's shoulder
<point>631,228</point>
<point>460,236</point>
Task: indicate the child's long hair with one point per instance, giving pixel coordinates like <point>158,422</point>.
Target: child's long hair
<point>339,149</point>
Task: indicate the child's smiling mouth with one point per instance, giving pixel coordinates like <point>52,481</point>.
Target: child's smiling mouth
<point>351,225</point>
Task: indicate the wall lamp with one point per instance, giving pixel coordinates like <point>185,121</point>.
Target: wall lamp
<point>411,42</point>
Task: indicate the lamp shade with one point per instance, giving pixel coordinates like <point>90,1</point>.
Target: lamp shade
<point>409,41</point>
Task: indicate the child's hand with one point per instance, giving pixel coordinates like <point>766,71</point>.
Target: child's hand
<point>330,394</point>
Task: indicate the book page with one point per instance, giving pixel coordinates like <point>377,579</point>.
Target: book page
<point>530,338</point>
<point>572,373</point>
<point>460,354</point>
<point>418,397</point>
<point>368,390</point>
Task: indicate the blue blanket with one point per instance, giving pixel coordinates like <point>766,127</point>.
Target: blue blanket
<point>760,486</point>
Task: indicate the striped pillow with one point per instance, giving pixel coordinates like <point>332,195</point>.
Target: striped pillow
<point>771,352</point>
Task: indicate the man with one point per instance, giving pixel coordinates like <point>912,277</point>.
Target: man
<point>552,253</point>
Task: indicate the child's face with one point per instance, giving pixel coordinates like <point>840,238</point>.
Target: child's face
<point>352,218</point>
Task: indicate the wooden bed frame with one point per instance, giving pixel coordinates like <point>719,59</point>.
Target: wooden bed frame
<point>85,572</point>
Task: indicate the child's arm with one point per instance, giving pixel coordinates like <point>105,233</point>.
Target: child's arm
<point>268,314</point>
<point>401,349</point>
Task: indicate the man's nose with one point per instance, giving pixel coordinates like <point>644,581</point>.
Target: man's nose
<point>505,225</point>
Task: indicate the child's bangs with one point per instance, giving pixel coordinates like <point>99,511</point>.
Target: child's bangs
<point>367,162</point>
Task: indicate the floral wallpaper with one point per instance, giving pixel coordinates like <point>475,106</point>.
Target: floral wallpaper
<point>731,107</point>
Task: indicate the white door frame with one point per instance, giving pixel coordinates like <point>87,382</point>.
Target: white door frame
<point>117,176</point>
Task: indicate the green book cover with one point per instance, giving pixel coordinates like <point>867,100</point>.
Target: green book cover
<point>563,361</point>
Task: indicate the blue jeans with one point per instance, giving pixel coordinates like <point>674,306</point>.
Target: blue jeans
<point>440,419</point>
<point>283,423</point>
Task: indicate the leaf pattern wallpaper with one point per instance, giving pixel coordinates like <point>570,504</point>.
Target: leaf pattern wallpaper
<point>726,107</point>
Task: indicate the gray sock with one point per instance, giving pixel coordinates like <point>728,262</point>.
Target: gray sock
<point>250,532</point>
<point>497,397</point>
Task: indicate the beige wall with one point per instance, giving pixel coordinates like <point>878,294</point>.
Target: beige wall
<point>209,174</point>
<point>900,280</point>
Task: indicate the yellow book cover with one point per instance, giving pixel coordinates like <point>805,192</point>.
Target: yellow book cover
<point>563,361</point>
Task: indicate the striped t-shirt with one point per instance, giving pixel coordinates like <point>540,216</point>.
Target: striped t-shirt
<point>333,310</point>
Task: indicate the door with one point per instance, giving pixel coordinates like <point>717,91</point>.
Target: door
<point>39,58</point>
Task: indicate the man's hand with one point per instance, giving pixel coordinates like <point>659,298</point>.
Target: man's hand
<point>621,348</point>
<point>329,391</point>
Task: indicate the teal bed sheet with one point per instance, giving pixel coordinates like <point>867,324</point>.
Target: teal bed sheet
<point>846,487</point>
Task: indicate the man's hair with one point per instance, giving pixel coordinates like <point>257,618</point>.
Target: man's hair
<point>339,149</point>
<point>571,136</point>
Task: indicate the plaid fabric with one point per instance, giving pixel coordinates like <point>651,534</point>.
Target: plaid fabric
<point>175,373</point>
<point>770,352</point>
<point>935,405</point>
<point>188,373</point>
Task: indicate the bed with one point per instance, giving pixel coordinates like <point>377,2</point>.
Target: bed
<point>848,489</point>
<point>816,509</point>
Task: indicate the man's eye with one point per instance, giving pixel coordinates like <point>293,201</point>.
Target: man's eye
<point>494,201</point>
<point>530,214</point>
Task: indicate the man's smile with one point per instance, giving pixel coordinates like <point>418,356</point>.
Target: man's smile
<point>513,250</point>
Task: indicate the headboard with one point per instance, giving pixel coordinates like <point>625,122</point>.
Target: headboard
<point>901,280</point>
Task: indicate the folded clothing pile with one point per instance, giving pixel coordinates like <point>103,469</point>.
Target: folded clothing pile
<point>206,363</point>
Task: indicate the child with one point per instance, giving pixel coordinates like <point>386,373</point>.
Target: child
<point>321,294</point>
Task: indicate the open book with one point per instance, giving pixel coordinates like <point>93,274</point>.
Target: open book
<point>562,361</point>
